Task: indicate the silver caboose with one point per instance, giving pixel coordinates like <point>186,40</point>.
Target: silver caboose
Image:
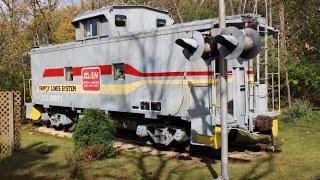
<point>126,61</point>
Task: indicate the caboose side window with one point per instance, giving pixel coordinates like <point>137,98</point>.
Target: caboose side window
<point>118,71</point>
<point>120,20</point>
<point>161,22</point>
<point>91,28</point>
<point>68,74</point>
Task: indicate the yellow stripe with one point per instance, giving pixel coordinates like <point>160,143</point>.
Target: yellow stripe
<point>115,88</point>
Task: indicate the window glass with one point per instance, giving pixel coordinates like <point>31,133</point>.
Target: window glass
<point>161,22</point>
<point>118,71</point>
<point>94,27</point>
<point>91,28</point>
<point>87,32</point>
<point>120,20</point>
<point>68,74</point>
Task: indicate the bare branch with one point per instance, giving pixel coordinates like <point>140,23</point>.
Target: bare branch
<point>177,9</point>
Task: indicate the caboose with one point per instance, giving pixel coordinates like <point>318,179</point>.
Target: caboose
<point>127,61</point>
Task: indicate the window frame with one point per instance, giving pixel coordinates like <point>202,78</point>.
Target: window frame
<point>88,27</point>
<point>115,67</point>
<point>68,71</point>
<point>120,16</point>
<point>159,20</point>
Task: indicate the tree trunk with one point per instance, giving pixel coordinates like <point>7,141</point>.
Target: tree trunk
<point>178,11</point>
<point>82,4</point>
<point>231,7</point>
<point>92,5</point>
<point>283,44</point>
<point>282,24</point>
<point>270,13</point>
<point>239,9</point>
<point>288,85</point>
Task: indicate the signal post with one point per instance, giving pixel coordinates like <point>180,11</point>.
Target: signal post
<point>223,99</point>
<point>230,44</point>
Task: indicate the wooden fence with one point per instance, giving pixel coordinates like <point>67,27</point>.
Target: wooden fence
<point>10,122</point>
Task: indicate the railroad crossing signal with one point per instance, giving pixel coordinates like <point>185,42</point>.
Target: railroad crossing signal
<point>231,43</point>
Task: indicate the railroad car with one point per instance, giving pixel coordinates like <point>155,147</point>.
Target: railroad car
<point>133,62</point>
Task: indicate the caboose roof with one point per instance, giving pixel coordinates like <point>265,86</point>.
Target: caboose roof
<point>89,14</point>
<point>102,11</point>
<point>140,7</point>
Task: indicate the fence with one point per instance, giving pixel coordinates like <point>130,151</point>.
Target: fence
<point>10,122</point>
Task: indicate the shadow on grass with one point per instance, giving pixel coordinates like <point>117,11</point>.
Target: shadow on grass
<point>156,166</point>
<point>164,169</point>
<point>262,167</point>
<point>27,163</point>
<point>159,166</point>
<point>209,164</point>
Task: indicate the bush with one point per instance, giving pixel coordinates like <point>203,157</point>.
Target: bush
<point>74,166</point>
<point>299,110</point>
<point>95,129</point>
<point>92,153</point>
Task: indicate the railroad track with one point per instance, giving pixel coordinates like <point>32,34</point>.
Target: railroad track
<point>126,140</point>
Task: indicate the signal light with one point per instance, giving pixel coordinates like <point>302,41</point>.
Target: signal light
<point>252,42</point>
<point>230,44</point>
<point>194,47</point>
<point>248,24</point>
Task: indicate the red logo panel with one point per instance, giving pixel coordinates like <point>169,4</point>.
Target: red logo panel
<point>91,79</point>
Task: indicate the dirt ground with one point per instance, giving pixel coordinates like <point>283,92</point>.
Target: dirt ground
<point>235,156</point>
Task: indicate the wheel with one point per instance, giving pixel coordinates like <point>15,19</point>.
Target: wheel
<point>232,136</point>
<point>48,124</point>
<point>67,128</point>
<point>73,127</point>
<point>58,128</point>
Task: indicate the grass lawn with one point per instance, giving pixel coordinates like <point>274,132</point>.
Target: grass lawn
<point>299,159</point>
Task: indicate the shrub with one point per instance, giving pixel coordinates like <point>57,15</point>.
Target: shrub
<point>312,117</point>
<point>92,153</point>
<point>137,175</point>
<point>95,128</point>
<point>299,110</point>
<point>74,166</point>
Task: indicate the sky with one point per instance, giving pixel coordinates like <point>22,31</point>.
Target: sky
<point>69,2</point>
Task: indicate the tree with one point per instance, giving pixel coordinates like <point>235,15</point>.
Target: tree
<point>13,42</point>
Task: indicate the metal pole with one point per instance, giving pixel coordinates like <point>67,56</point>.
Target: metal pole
<point>272,90</point>
<point>279,72</point>
<point>266,46</point>
<point>223,99</point>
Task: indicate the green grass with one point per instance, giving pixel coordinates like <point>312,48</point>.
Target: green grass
<point>299,159</point>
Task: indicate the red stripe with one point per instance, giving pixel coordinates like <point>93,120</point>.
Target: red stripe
<point>58,72</point>
<point>132,71</point>
<point>107,70</point>
<point>249,72</point>
<point>229,72</point>
<point>200,73</point>
<point>53,72</point>
<point>76,71</point>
